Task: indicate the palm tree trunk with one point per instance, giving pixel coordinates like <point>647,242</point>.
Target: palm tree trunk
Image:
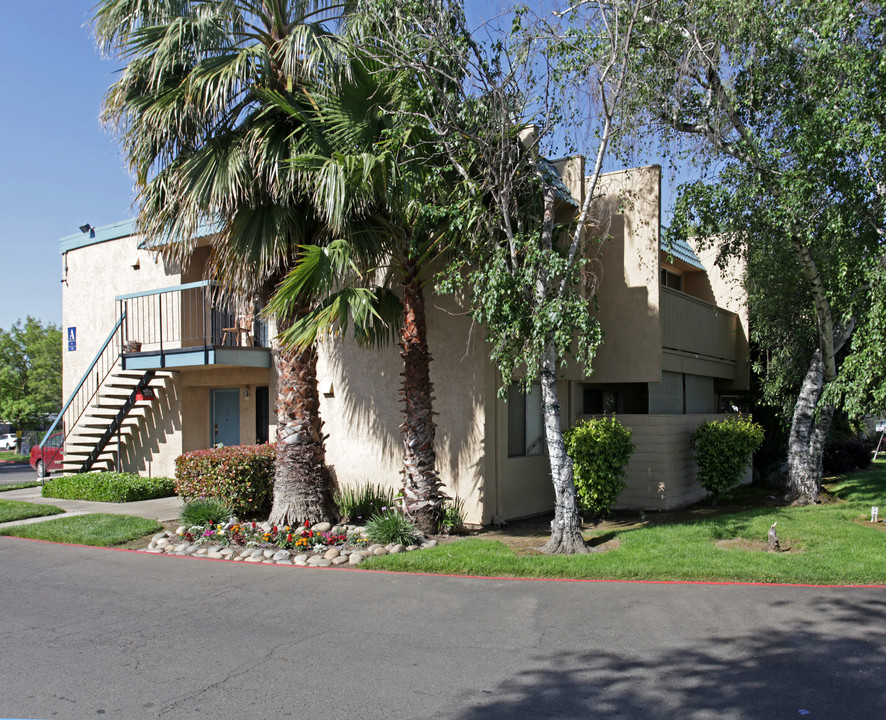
<point>302,483</point>
<point>421,484</point>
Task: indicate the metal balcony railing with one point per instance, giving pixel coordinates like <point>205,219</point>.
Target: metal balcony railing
<point>185,317</point>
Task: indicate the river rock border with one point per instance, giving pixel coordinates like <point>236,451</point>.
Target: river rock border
<point>168,543</point>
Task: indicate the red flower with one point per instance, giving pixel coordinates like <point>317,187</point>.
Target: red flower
<point>310,534</point>
<point>307,524</point>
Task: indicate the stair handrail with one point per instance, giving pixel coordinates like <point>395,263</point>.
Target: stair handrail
<point>73,395</point>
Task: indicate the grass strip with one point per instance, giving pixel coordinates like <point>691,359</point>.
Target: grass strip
<point>12,510</point>
<point>11,456</point>
<point>99,529</point>
<point>18,486</point>
<point>833,546</point>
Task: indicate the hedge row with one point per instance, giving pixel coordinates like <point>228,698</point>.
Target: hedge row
<point>108,487</point>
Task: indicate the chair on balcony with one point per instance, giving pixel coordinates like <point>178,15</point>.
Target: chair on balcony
<point>242,332</point>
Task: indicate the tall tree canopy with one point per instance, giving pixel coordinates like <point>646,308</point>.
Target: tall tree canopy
<point>780,100</point>
<point>207,149</point>
<point>30,372</point>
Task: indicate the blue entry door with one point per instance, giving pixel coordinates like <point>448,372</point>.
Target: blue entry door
<point>224,417</point>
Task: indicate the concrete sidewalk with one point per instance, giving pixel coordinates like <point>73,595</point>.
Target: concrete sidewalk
<point>162,509</point>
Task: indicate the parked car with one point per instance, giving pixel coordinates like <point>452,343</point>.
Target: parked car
<point>48,459</point>
<point>7,441</point>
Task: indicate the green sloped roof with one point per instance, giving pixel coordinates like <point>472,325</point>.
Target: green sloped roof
<point>681,251</point>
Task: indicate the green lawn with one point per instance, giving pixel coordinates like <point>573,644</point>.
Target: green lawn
<point>11,510</point>
<point>100,529</point>
<point>9,455</point>
<point>833,544</point>
<point>18,486</point>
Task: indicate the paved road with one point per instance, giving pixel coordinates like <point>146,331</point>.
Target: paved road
<point>16,473</point>
<point>89,633</point>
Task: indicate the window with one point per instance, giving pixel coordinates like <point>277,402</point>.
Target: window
<point>671,280</point>
<point>525,425</point>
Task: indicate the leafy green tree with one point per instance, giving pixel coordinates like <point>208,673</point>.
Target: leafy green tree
<point>207,149</point>
<point>779,99</point>
<point>30,372</point>
<point>490,107</point>
<point>372,171</point>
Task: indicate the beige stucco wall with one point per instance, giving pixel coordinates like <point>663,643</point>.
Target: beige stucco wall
<point>92,277</point>
<point>362,411</point>
<point>727,289</point>
<point>628,295</point>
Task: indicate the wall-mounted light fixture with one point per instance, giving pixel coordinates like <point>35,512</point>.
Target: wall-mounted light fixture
<point>137,264</point>
<point>246,393</point>
<point>87,228</point>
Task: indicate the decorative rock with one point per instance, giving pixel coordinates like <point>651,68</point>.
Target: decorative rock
<point>266,527</point>
<point>373,548</point>
<point>213,549</point>
<point>322,527</point>
<point>301,563</point>
<point>254,559</point>
<point>410,548</point>
<point>331,554</point>
<point>239,558</point>
<point>302,557</point>
<point>355,558</point>
<point>162,542</point>
<point>268,554</point>
<point>181,547</point>
<point>340,560</point>
<point>339,530</point>
<point>397,549</point>
<point>215,555</point>
<point>429,544</point>
<point>258,553</point>
<point>154,551</point>
<point>181,530</point>
<point>281,555</point>
<point>323,562</point>
<point>202,551</point>
<point>380,551</point>
<point>314,559</point>
<point>283,562</point>
<point>227,552</point>
<point>160,536</point>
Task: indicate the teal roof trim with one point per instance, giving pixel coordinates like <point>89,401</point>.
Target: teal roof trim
<point>561,191</point>
<point>681,251</point>
<point>124,228</point>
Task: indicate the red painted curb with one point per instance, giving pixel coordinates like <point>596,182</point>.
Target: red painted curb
<point>476,577</point>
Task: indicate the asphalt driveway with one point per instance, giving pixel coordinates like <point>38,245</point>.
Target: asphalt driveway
<point>90,632</point>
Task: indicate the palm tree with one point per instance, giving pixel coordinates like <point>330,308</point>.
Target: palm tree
<point>206,148</point>
<point>375,179</point>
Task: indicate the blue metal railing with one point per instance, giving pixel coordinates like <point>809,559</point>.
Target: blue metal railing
<point>83,394</point>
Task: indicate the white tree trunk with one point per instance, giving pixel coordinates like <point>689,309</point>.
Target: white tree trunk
<point>566,536</point>
<point>806,439</point>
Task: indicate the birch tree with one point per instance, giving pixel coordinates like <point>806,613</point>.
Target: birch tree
<point>778,99</point>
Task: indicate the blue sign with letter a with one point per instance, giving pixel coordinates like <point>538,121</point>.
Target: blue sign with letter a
<point>72,339</point>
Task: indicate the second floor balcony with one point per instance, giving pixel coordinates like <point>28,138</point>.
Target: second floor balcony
<point>187,325</point>
<point>697,329</point>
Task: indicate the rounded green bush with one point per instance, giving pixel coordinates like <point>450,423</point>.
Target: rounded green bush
<point>723,451</point>
<point>600,449</point>
<point>241,476</point>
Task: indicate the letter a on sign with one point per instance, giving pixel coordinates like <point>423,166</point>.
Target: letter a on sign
<point>72,339</point>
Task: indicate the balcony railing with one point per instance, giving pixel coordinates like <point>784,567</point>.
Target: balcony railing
<point>184,317</point>
<point>694,326</point>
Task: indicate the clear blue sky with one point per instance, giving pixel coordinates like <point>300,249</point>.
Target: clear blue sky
<point>58,168</point>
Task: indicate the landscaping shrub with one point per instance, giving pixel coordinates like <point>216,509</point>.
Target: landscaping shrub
<point>844,456</point>
<point>241,476</point>
<point>108,487</point>
<point>600,450</point>
<point>205,511</point>
<point>723,451</point>
<point>452,515</point>
<point>363,501</point>
<point>391,526</point>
